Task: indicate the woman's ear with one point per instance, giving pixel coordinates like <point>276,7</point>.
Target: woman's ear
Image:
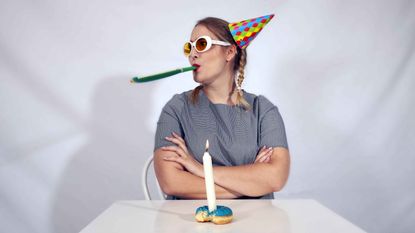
<point>231,52</point>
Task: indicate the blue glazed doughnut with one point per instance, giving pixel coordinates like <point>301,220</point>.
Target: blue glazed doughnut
<point>221,215</point>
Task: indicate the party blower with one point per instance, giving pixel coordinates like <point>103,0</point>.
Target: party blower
<point>161,75</point>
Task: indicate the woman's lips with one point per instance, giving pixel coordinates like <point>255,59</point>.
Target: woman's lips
<point>197,67</point>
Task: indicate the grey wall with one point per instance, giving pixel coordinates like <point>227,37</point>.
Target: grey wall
<point>74,133</point>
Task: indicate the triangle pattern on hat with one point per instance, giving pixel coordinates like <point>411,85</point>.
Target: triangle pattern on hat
<point>245,31</point>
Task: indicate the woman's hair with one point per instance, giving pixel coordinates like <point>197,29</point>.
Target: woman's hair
<point>219,28</point>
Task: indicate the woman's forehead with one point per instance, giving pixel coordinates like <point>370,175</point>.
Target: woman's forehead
<point>199,31</point>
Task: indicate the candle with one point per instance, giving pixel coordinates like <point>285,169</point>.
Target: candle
<point>209,182</point>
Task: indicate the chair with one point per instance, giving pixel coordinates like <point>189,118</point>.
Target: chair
<point>144,181</point>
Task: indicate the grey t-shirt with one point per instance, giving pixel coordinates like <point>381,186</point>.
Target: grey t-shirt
<point>235,135</point>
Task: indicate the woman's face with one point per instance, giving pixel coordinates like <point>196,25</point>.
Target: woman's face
<point>212,62</point>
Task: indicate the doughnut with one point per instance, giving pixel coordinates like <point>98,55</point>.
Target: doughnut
<point>221,215</point>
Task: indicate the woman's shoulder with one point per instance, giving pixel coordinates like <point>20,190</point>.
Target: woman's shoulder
<point>178,101</point>
<point>179,97</point>
<point>258,101</point>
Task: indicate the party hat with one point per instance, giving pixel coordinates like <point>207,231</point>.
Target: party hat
<point>244,32</point>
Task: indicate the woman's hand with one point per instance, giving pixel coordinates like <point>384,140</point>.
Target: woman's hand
<point>264,155</point>
<point>183,156</point>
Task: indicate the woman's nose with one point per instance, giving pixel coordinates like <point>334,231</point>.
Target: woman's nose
<point>194,53</point>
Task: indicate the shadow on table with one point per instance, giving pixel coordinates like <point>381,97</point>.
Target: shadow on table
<point>166,208</point>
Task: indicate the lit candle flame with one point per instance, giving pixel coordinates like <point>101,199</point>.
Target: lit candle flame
<point>207,146</point>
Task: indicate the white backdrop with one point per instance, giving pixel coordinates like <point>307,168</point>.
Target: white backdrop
<point>74,133</point>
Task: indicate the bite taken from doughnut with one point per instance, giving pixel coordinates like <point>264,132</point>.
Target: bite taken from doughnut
<point>222,215</point>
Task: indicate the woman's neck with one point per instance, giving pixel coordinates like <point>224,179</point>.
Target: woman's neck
<point>221,92</point>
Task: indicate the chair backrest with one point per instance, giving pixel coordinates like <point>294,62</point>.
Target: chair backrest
<point>144,181</point>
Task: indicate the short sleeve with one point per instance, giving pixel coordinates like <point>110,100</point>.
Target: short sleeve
<point>169,121</point>
<point>272,129</point>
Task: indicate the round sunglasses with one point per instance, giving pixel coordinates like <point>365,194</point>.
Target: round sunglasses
<point>202,44</point>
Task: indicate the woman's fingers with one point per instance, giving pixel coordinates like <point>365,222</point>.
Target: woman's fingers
<point>174,140</point>
<point>267,159</point>
<point>179,151</point>
<point>183,143</point>
<point>178,137</point>
<point>182,158</point>
<point>263,153</point>
<point>260,153</point>
<point>178,141</point>
<point>174,158</point>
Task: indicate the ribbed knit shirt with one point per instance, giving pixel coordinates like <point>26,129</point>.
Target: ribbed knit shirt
<point>235,135</point>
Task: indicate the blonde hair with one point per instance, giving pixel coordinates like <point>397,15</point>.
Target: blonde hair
<point>240,100</point>
<point>219,28</point>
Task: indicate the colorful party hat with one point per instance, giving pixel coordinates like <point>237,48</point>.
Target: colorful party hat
<point>244,32</point>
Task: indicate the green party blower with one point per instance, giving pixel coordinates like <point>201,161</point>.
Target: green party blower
<point>161,75</point>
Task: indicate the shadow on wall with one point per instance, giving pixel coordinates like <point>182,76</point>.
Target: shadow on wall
<point>108,167</point>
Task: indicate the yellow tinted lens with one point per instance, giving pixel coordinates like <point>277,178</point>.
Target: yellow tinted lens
<point>201,44</point>
<point>187,48</point>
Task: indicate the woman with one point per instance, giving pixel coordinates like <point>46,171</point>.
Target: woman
<point>246,133</point>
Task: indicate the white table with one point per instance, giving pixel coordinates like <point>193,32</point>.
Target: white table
<point>299,215</point>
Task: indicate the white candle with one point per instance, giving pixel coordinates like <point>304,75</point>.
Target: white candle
<point>209,182</point>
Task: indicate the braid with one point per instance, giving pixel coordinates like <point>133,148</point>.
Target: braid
<point>195,93</point>
<point>240,78</point>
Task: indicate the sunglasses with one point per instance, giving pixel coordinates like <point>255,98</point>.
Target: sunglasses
<point>202,44</point>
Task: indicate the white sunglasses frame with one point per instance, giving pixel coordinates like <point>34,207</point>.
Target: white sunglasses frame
<point>209,41</point>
